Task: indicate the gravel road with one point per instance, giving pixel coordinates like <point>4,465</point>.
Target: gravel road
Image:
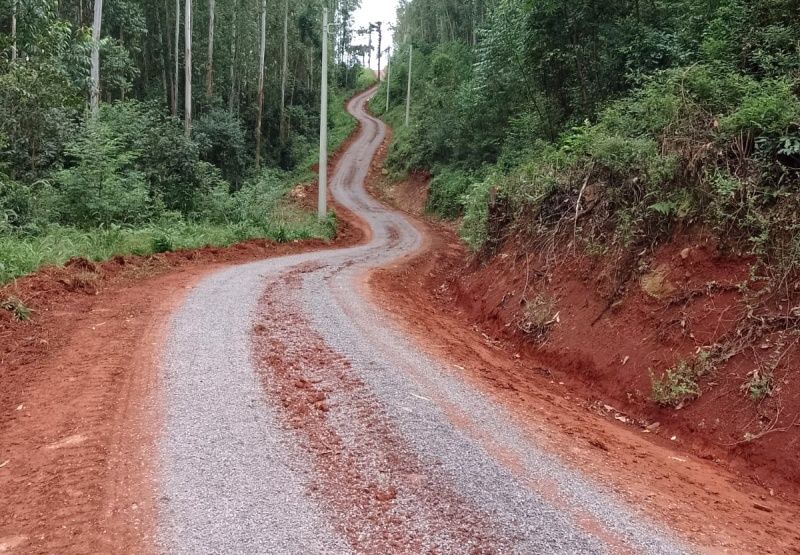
<point>298,419</point>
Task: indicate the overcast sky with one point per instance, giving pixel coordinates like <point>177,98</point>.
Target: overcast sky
<point>370,12</point>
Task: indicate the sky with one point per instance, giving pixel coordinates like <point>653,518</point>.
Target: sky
<point>370,12</point>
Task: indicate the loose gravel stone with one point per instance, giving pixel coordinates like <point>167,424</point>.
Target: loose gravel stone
<point>235,477</point>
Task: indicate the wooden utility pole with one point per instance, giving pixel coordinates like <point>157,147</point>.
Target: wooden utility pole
<point>260,100</point>
<point>94,95</point>
<point>187,69</point>
<point>210,65</point>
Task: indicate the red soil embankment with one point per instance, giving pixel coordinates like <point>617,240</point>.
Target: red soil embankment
<point>584,392</point>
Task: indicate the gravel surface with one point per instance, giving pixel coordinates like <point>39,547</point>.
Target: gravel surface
<point>236,477</point>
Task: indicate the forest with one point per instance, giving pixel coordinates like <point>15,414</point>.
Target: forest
<point>618,123</point>
<point>141,126</point>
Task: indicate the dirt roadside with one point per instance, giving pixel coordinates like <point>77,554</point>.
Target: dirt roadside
<point>79,392</point>
<point>712,505</point>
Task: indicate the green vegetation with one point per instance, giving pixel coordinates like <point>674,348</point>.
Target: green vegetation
<point>672,114</point>
<point>135,176</point>
<point>676,386</point>
<point>681,383</point>
<point>759,385</point>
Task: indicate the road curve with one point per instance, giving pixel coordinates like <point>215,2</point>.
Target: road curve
<point>298,419</point>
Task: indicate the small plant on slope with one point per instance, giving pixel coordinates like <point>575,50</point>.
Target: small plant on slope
<point>676,386</point>
<point>16,307</point>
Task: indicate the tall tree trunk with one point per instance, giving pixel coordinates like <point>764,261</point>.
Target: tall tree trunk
<point>260,100</point>
<point>285,70</point>
<point>234,38</point>
<point>13,31</point>
<point>164,55</point>
<point>187,68</point>
<point>380,37</point>
<point>94,96</point>
<point>177,75</point>
<point>210,66</point>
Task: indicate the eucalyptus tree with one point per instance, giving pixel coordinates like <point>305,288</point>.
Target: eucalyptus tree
<point>210,61</point>
<point>13,31</point>
<point>260,96</point>
<point>187,64</point>
<point>177,74</point>
<point>94,95</point>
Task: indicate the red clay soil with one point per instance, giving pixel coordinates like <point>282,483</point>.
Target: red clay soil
<point>78,408</point>
<point>572,393</point>
<point>355,478</point>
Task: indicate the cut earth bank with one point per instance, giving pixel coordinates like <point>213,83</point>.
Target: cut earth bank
<point>578,375</point>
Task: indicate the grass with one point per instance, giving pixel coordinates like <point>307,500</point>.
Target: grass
<point>21,255</point>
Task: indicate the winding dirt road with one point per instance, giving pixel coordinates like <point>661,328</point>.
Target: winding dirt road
<point>297,419</point>
<point>308,403</point>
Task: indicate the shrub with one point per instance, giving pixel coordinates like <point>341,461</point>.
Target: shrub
<point>103,185</point>
<point>446,195</point>
<point>676,386</point>
<point>38,114</point>
<point>474,227</point>
<point>221,139</point>
<point>769,108</point>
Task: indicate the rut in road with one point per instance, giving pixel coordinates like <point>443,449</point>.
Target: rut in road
<point>299,420</point>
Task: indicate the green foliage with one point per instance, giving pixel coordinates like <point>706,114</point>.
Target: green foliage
<point>768,108</point>
<point>676,386</point>
<point>221,139</point>
<point>447,191</point>
<point>475,225</point>
<point>103,186</point>
<point>38,115</point>
<point>759,385</point>
<point>21,254</point>
<point>366,78</point>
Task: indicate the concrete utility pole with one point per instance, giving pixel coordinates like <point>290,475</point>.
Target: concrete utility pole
<point>408,92</point>
<point>322,212</point>
<point>388,74</point>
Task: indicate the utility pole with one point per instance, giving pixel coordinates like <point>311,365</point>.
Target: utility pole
<point>388,74</point>
<point>323,125</point>
<point>408,92</point>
